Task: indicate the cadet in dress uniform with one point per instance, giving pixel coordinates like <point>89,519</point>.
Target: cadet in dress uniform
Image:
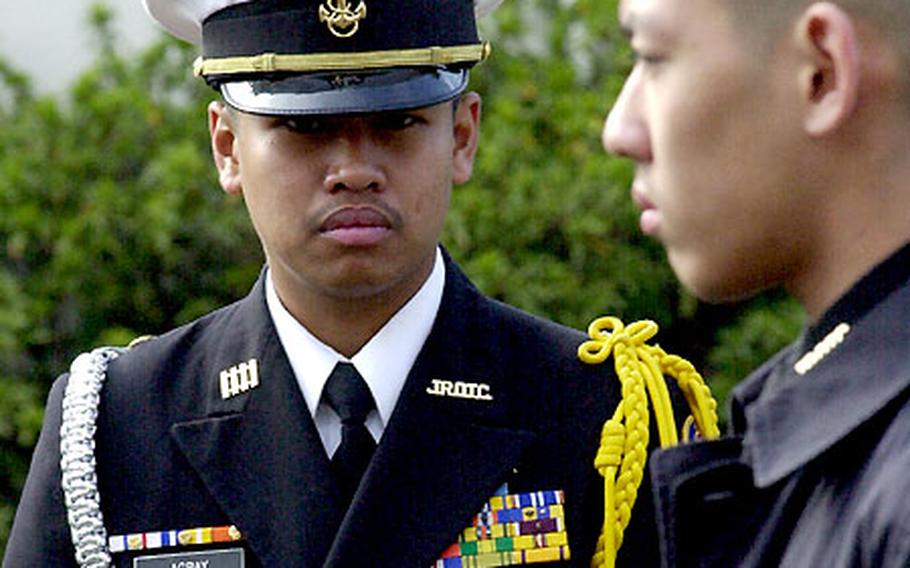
<point>364,405</point>
<point>770,148</point>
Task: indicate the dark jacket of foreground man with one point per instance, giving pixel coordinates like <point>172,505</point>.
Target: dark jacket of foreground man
<point>172,454</point>
<point>818,473</point>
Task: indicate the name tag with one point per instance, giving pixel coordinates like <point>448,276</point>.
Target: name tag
<point>232,558</point>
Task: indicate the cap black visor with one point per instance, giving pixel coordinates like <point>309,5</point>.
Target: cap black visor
<point>346,92</point>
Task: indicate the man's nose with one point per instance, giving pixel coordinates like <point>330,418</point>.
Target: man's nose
<point>625,132</point>
<point>355,165</point>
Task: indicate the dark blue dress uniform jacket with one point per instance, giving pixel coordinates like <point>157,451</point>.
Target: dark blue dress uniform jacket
<point>818,472</point>
<point>173,455</point>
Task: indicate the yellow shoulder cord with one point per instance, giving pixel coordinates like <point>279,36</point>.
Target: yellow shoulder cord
<point>624,438</point>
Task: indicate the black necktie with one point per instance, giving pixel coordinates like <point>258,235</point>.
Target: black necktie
<point>348,395</point>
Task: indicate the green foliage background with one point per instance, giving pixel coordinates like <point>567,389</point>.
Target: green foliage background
<point>113,224</point>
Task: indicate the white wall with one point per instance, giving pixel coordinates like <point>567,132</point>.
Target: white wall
<point>49,39</point>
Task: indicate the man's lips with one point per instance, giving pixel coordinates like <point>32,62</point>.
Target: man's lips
<point>356,226</point>
<point>650,219</point>
<point>352,217</point>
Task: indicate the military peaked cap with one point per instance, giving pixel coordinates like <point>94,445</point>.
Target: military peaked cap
<point>330,56</point>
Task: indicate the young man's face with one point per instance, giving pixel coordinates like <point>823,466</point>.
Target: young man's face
<point>348,206</point>
<point>713,130</point>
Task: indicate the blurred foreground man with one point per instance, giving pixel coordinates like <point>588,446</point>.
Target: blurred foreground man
<point>364,405</point>
<point>771,147</point>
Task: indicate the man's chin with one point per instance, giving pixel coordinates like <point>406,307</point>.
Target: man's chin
<point>712,285</point>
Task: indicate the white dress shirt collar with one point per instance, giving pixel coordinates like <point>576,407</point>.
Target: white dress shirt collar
<point>385,360</point>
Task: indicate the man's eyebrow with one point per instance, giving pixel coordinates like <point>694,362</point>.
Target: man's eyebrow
<point>633,21</point>
<point>626,20</point>
<point>626,29</point>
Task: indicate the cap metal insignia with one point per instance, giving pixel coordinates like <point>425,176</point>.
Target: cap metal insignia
<point>340,18</point>
<point>239,379</point>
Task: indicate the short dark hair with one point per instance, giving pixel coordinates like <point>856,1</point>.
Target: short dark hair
<point>768,20</point>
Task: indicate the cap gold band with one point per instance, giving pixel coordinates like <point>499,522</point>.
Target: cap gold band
<point>291,63</point>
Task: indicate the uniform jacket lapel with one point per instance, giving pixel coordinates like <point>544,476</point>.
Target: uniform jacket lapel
<point>809,414</point>
<point>261,444</point>
<point>790,428</point>
<point>440,458</point>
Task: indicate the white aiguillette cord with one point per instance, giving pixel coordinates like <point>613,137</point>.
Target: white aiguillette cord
<point>77,456</point>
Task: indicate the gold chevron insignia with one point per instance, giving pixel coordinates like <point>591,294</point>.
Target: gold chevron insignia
<point>821,350</point>
<point>340,18</point>
<point>239,378</point>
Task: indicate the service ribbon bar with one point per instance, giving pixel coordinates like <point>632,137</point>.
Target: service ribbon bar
<point>514,558</point>
<point>167,539</point>
<point>511,530</point>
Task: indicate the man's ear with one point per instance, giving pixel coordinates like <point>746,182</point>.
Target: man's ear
<point>830,68</point>
<point>222,131</point>
<point>466,130</point>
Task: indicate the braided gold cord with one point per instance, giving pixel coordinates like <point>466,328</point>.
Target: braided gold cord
<point>624,439</point>
<point>346,61</point>
<point>608,459</point>
<point>697,393</point>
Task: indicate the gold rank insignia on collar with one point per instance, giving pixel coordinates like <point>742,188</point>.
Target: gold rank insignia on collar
<point>140,340</point>
<point>460,389</point>
<point>239,378</point>
<point>821,350</point>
